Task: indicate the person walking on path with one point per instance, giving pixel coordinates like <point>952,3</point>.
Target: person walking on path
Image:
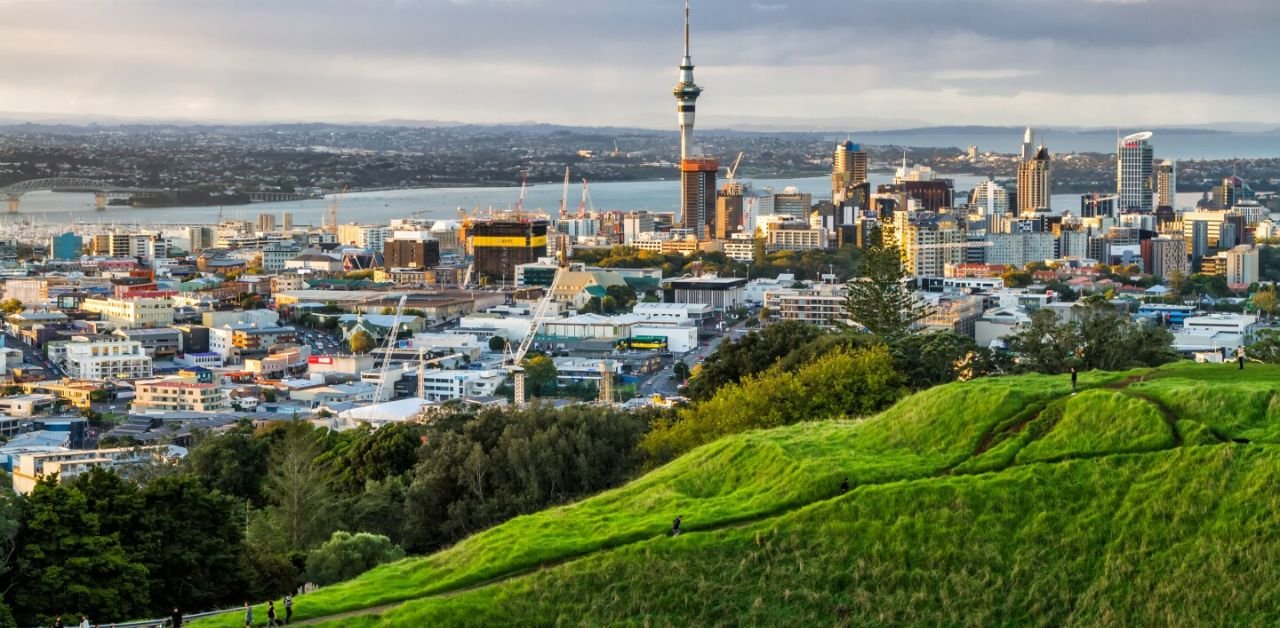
<point>175,619</point>
<point>84,622</point>
<point>248,615</point>
<point>675,525</point>
<point>271,613</point>
<point>1075,374</point>
<point>288,609</point>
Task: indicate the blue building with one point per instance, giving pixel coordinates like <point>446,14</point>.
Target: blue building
<point>66,246</point>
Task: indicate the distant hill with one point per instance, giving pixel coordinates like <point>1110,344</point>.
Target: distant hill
<point>1149,498</point>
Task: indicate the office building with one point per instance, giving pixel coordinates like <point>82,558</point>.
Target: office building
<point>789,202</point>
<point>1034,184</point>
<point>848,170</point>
<point>1242,265</point>
<point>201,238</point>
<point>416,253</point>
<point>730,203</point>
<point>100,360</point>
<point>132,313</point>
<point>1166,184</point>
<point>1096,205</point>
<point>1229,192</point>
<point>371,238</point>
<point>501,245</point>
<point>1134,173</point>
<point>179,395</point>
<point>66,246</point>
<point>635,224</point>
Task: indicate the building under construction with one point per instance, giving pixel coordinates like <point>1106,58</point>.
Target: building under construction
<point>501,245</point>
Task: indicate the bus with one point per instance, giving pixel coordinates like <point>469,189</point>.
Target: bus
<point>646,343</point>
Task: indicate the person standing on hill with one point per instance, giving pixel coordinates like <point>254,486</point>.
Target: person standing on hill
<point>844,486</point>
<point>175,619</point>
<point>1075,374</point>
<point>1240,357</point>
<point>288,609</point>
<point>248,615</point>
<point>675,525</point>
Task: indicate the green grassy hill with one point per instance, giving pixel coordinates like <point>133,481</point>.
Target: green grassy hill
<point>1150,498</point>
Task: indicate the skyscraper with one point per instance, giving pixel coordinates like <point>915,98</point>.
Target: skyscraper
<point>1166,184</point>
<point>1134,173</point>
<point>1033,184</point>
<point>848,169</point>
<point>730,203</point>
<point>1028,145</point>
<point>697,173</point>
<point>989,199</point>
<point>266,222</point>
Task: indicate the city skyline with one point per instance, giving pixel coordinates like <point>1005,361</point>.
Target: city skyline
<point>609,63</point>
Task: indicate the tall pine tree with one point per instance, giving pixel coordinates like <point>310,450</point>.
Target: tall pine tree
<point>878,299</point>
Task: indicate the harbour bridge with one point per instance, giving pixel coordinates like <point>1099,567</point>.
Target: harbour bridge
<point>101,190</point>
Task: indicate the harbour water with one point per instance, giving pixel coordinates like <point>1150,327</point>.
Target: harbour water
<point>433,203</point>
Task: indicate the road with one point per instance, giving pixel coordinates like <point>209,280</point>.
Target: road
<point>664,381</point>
<point>30,356</point>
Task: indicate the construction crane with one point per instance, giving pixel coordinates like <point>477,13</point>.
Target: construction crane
<point>539,312</point>
<point>334,203</point>
<point>564,196</point>
<point>733,172</point>
<point>586,198</point>
<point>524,182</point>
<point>386,351</point>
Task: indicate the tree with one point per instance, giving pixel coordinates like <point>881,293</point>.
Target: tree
<point>624,296</point>
<point>680,370</point>
<point>1043,345</point>
<point>879,300</point>
<point>65,564</point>
<point>345,556</point>
<point>1265,301</point>
<point>938,358</point>
<point>10,307</point>
<point>1266,347</point>
<point>497,343</point>
<point>1098,338</point>
<point>845,382</point>
<point>540,374</point>
<point>360,342</point>
<point>233,463</point>
<point>750,354</point>
<point>191,544</point>
<point>298,488</point>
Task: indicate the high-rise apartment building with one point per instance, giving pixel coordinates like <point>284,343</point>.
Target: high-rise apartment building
<point>1163,255</point>
<point>1166,184</point>
<point>989,199</point>
<point>848,170</point>
<point>730,203</point>
<point>286,220</point>
<point>1033,184</point>
<point>930,242</point>
<point>1229,192</point>
<point>1135,173</point>
<point>201,238</point>
<point>266,223</point>
<point>501,245</point>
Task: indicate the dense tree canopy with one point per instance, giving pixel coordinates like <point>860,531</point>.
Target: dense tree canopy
<point>1098,337</point>
<point>347,555</point>
<point>748,355</point>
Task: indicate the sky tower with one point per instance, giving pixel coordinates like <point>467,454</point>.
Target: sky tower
<point>697,173</point>
<point>686,93</point>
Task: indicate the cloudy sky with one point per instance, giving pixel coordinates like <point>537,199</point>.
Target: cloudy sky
<point>865,63</point>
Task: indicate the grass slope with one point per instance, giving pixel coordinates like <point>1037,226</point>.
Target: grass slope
<point>1002,501</point>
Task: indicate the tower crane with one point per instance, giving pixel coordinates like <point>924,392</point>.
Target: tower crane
<point>524,182</point>
<point>564,196</point>
<point>586,198</point>
<point>334,203</point>
<point>539,312</point>
<point>386,351</point>
<point>733,172</point>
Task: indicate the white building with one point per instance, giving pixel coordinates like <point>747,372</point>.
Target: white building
<point>179,395</point>
<point>456,384</point>
<point>678,313</point>
<point>132,313</point>
<point>822,305</point>
<point>1242,265</point>
<point>1216,332</point>
<point>99,360</point>
<point>29,468</point>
